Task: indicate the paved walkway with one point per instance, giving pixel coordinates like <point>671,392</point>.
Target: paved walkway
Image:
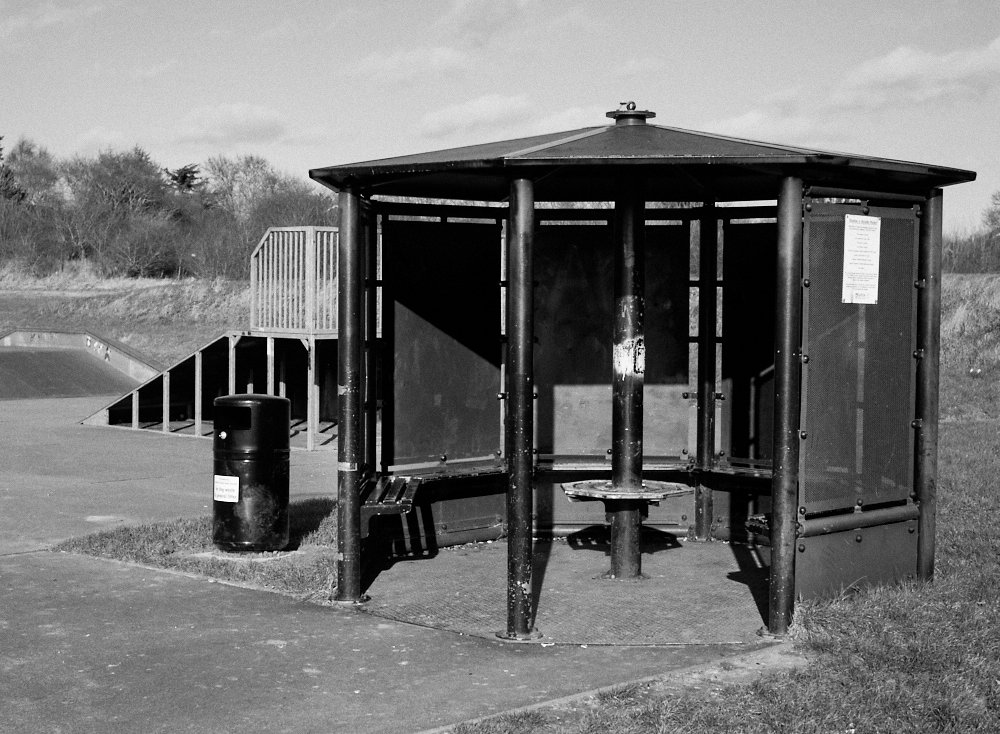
<point>88,645</point>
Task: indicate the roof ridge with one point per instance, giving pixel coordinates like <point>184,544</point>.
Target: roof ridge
<point>586,133</point>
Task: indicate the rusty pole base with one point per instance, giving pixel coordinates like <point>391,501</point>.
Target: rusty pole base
<point>530,636</point>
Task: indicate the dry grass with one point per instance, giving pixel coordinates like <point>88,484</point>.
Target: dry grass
<point>161,320</point>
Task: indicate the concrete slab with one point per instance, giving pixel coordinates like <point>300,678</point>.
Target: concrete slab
<point>693,593</point>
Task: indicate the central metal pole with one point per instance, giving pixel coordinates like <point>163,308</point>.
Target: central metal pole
<point>629,358</point>
<point>519,424</point>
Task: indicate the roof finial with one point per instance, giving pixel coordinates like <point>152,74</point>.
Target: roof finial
<point>627,114</point>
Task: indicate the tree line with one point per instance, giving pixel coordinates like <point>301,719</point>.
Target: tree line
<point>125,215</point>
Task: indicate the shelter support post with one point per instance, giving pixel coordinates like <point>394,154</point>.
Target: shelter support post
<point>349,370</point>
<point>928,375</point>
<point>629,364</point>
<point>520,417</point>
<point>198,391</point>
<point>707,318</point>
<point>787,387</point>
<point>371,346</point>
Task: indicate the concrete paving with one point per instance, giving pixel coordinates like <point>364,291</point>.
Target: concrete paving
<point>89,645</point>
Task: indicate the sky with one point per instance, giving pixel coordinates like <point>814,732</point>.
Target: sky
<point>312,83</point>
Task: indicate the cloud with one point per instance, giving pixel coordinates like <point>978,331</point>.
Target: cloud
<point>101,138</point>
<point>155,70</point>
<point>407,65</point>
<point>909,75</point>
<point>40,16</point>
<point>476,23</point>
<point>901,79</point>
<point>231,124</point>
<point>477,116</point>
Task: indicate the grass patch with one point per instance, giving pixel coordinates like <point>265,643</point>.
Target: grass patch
<point>186,545</point>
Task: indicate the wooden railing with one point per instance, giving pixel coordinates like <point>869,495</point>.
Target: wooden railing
<point>293,281</point>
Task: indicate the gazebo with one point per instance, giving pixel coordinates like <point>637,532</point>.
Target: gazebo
<point>560,275</point>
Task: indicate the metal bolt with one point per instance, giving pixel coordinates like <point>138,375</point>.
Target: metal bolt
<point>803,435</point>
<point>802,547</point>
<point>805,359</point>
<point>857,538</point>
<point>444,457</point>
<point>805,283</point>
<point>802,510</point>
<point>809,207</point>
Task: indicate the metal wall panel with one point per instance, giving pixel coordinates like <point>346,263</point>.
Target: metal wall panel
<point>860,375</point>
<point>574,306</point>
<point>442,329</point>
<point>749,262</point>
<point>826,565</point>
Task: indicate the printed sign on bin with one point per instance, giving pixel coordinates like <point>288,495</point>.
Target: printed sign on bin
<point>226,489</point>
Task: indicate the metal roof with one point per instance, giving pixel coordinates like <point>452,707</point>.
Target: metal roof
<point>675,165</point>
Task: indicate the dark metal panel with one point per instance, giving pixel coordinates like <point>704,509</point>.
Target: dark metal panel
<point>442,327</point>
<point>748,312</point>
<point>826,565</point>
<point>860,374</point>
<point>573,325</point>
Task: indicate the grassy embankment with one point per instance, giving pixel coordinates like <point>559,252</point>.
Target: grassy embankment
<point>896,659</point>
<point>162,320</point>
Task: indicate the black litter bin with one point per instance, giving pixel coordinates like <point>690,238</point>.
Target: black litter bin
<point>250,486</point>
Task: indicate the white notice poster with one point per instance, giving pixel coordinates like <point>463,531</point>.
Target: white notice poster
<point>862,237</point>
<point>226,489</point>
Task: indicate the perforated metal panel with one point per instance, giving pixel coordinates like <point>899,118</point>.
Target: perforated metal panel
<point>859,380</point>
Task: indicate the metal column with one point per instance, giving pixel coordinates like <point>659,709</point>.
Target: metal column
<point>629,362</point>
<point>787,387</point>
<point>928,374</point>
<point>708,277</point>
<point>350,288</point>
<point>520,419</point>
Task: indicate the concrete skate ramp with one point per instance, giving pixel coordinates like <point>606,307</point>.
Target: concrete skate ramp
<point>46,372</point>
